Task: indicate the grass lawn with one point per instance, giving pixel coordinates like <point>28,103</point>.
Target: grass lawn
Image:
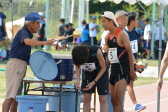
<point>153,63</point>
<point>145,81</point>
<point>29,74</point>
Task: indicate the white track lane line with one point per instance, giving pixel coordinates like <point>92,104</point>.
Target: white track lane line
<point>148,103</point>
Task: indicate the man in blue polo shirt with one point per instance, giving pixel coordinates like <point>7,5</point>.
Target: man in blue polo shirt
<point>19,57</point>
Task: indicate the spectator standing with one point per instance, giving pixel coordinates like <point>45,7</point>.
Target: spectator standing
<point>3,33</point>
<point>85,35</point>
<point>157,37</point>
<point>61,30</point>
<point>103,38</point>
<point>140,29</point>
<point>141,24</point>
<point>41,31</point>
<point>94,28</point>
<point>147,37</point>
<point>81,28</point>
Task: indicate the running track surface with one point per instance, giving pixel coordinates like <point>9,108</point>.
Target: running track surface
<point>146,95</point>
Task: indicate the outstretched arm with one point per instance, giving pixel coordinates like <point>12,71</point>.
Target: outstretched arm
<point>163,67</point>
<point>32,42</point>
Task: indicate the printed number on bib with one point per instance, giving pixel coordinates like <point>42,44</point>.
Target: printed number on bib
<point>88,67</point>
<point>112,55</point>
<point>134,46</point>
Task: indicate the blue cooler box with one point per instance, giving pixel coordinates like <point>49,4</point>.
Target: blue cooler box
<point>29,103</point>
<point>65,68</point>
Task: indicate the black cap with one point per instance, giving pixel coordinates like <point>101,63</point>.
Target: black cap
<point>62,20</point>
<point>87,26</point>
<point>70,24</point>
<point>66,25</point>
<point>146,19</point>
<point>83,21</point>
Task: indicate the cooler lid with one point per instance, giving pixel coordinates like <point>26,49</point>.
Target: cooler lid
<point>32,97</point>
<point>43,65</point>
<point>62,56</point>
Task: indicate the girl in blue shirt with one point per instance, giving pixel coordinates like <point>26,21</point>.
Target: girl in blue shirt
<point>85,35</point>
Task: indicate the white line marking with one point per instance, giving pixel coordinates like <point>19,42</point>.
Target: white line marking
<point>148,103</point>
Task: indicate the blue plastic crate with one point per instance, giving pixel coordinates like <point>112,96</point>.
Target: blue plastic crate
<point>29,103</point>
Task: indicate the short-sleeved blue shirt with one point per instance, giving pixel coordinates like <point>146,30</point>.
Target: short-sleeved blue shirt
<point>2,16</point>
<point>19,49</point>
<point>85,35</point>
<point>133,35</point>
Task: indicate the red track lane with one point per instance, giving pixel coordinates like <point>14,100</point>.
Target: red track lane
<point>146,95</point>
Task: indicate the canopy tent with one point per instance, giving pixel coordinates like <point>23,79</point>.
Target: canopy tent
<point>162,4</point>
<point>146,2</point>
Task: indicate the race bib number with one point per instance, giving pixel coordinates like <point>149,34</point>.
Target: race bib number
<point>134,46</point>
<point>88,67</point>
<point>112,55</point>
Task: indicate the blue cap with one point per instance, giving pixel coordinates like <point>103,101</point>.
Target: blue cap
<point>93,17</point>
<point>33,16</point>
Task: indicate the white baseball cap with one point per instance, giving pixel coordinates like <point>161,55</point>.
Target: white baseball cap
<point>108,14</point>
<point>41,14</point>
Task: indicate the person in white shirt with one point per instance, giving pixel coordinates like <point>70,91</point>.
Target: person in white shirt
<point>157,34</point>
<point>93,28</point>
<point>147,37</point>
<point>157,37</point>
<point>103,38</point>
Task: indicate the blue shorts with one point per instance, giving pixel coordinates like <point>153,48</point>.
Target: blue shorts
<point>2,35</point>
<point>2,38</point>
<point>147,45</point>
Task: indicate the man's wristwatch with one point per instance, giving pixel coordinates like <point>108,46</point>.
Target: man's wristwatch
<point>95,81</point>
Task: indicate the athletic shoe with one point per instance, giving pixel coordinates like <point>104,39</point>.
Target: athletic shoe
<point>148,58</point>
<point>139,107</point>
